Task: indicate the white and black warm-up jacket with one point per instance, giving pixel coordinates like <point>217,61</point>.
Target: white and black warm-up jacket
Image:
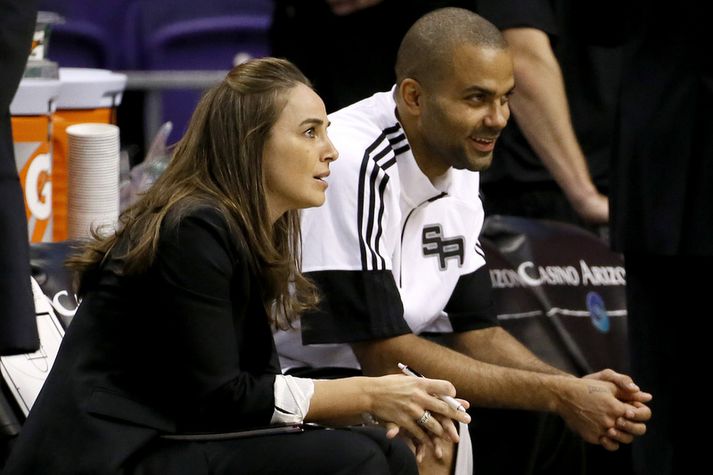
<point>391,252</point>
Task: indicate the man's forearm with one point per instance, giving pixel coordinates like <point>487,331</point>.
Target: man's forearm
<point>496,346</point>
<point>481,383</point>
<point>588,406</point>
<point>541,110</point>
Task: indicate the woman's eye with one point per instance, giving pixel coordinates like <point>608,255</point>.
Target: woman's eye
<point>311,133</point>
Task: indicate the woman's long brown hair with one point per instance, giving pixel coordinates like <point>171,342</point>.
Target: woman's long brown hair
<point>219,161</point>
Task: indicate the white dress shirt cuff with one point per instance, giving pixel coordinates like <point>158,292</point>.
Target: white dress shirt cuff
<point>292,398</point>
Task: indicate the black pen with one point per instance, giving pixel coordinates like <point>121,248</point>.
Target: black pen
<point>447,399</point>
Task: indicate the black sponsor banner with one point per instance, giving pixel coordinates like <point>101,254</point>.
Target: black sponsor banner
<point>560,290</point>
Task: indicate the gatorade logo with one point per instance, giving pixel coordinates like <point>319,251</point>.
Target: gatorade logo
<point>35,167</point>
<point>38,187</point>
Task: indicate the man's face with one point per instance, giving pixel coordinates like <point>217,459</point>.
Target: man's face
<point>464,111</point>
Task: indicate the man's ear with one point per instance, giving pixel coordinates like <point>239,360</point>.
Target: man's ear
<point>411,95</point>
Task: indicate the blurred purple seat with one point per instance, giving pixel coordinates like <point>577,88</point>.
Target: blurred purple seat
<point>207,43</point>
<point>92,35</point>
<point>180,36</point>
<point>82,45</point>
<point>155,35</point>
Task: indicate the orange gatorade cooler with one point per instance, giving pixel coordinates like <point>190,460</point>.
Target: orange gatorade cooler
<point>86,95</point>
<point>31,111</point>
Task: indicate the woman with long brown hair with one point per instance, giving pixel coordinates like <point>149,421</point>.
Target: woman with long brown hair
<point>173,337</point>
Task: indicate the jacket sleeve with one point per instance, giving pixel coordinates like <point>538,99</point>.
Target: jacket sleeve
<point>348,244</point>
<point>223,347</point>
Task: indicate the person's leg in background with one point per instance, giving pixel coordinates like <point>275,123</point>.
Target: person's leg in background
<point>18,331</point>
<point>655,309</point>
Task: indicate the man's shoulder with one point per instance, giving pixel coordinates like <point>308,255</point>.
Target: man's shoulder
<point>359,126</point>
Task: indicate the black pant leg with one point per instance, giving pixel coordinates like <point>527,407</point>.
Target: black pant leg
<point>653,303</point>
<point>18,330</point>
<point>399,457</point>
<point>319,452</point>
<point>513,442</point>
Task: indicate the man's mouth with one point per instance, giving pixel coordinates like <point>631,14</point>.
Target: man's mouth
<point>484,144</point>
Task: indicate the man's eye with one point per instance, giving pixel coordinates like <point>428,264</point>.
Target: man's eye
<point>311,133</point>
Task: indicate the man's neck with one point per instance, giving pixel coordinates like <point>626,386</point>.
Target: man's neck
<point>429,165</point>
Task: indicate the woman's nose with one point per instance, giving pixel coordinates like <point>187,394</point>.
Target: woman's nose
<point>330,153</point>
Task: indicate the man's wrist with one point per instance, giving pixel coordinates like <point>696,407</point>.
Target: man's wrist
<point>582,194</point>
<point>556,390</point>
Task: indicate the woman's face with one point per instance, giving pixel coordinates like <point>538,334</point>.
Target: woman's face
<point>297,154</point>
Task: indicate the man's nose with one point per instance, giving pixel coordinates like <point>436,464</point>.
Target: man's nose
<point>498,116</point>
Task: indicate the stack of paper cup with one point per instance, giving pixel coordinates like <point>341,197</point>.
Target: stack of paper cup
<point>93,194</point>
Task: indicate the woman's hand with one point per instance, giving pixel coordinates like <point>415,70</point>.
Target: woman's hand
<point>402,401</point>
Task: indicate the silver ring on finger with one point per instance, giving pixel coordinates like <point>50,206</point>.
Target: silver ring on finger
<point>424,418</point>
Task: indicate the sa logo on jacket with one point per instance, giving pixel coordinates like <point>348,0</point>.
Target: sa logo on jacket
<point>434,244</point>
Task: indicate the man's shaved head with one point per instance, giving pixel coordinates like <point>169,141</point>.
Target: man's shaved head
<point>426,52</point>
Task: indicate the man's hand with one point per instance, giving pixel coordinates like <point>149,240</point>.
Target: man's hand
<point>592,207</point>
<point>346,7</point>
<point>627,390</point>
<point>632,423</point>
<point>591,408</point>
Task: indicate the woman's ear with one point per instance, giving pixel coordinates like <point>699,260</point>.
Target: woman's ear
<point>411,95</point>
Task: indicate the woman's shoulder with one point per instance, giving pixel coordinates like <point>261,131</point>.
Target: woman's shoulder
<point>201,225</point>
<point>206,213</point>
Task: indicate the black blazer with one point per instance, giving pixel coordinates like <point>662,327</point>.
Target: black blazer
<point>17,24</point>
<point>185,346</point>
<point>18,333</point>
